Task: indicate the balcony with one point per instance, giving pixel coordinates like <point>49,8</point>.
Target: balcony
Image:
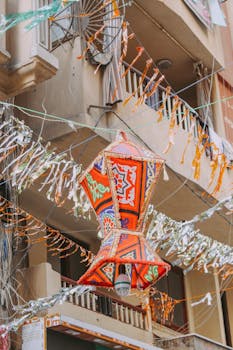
<point>108,306</point>
<point>94,314</point>
<point>24,62</point>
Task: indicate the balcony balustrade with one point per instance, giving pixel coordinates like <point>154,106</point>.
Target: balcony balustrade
<point>108,306</point>
<point>132,84</point>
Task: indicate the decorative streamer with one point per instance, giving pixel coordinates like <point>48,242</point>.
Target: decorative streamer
<point>207,298</point>
<point>162,306</point>
<point>163,105</point>
<point>90,40</point>
<point>141,80</point>
<point>124,42</point>
<point>214,165</point>
<point>116,10</point>
<point>25,225</point>
<point>223,167</point>
<point>187,246</point>
<point>200,148</point>
<point>172,124</point>
<point>140,51</point>
<point>34,307</point>
<point>155,87</point>
<point>190,137</point>
<point>34,160</point>
<point>150,82</point>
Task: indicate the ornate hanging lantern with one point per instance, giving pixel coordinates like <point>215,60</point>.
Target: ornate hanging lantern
<point>119,184</point>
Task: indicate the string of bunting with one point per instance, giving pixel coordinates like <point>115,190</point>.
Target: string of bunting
<point>24,224</point>
<point>56,173</point>
<point>35,160</point>
<point>34,307</point>
<point>186,246</point>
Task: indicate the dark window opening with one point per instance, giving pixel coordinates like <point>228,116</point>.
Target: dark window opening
<point>173,286</point>
<point>226,319</point>
<point>71,266</point>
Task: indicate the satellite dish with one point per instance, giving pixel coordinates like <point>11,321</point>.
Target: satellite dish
<point>97,22</point>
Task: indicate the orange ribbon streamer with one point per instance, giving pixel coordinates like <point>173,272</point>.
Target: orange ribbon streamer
<point>116,10</point>
<point>196,163</point>
<point>140,51</point>
<point>223,166</point>
<point>142,97</point>
<point>156,85</point>
<point>90,40</point>
<point>141,80</point>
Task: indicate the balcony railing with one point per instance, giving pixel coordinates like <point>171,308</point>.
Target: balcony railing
<point>108,306</point>
<point>132,84</point>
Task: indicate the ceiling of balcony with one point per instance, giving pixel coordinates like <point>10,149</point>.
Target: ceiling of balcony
<point>162,33</point>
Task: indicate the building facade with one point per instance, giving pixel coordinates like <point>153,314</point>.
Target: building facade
<point>41,71</point>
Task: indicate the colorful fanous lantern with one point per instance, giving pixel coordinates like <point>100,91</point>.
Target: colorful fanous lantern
<point>119,184</point>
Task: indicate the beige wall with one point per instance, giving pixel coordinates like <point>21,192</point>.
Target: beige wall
<point>203,319</point>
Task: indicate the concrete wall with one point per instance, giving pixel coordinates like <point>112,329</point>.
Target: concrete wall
<point>203,319</point>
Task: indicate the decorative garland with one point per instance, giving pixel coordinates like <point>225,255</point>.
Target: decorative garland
<point>188,247</point>
<point>24,224</point>
<point>34,160</point>
<point>34,307</point>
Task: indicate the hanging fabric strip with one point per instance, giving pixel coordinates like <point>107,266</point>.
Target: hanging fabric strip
<point>141,81</point>
<point>90,40</point>
<point>214,163</point>
<point>34,160</point>
<point>223,167</point>
<point>146,89</point>
<point>140,51</point>
<point>190,137</point>
<point>200,148</point>
<point>124,42</point>
<point>155,87</point>
<point>115,7</point>
<point>172,124</point>
<point>163,105</point>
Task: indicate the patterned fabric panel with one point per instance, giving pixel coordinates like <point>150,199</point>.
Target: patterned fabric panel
<point>142,265</point>
<point>107,220</point>
<point>134,181</point>
<point>97,188</point>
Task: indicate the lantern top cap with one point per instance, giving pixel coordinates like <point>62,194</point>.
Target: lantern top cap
<point>122,145</point>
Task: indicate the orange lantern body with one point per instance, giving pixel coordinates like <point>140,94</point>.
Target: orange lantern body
<point>119,184</point>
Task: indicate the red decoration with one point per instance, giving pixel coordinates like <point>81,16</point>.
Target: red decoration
<point>119,184</point>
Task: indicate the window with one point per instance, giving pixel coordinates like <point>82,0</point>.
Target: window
<point>52,34</point>
<point>62,27</point>
<point>226,319</point>
<point>173,286</point>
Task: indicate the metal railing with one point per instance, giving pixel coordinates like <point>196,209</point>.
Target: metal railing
<point>108,306</point>
<point>132,84</point>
